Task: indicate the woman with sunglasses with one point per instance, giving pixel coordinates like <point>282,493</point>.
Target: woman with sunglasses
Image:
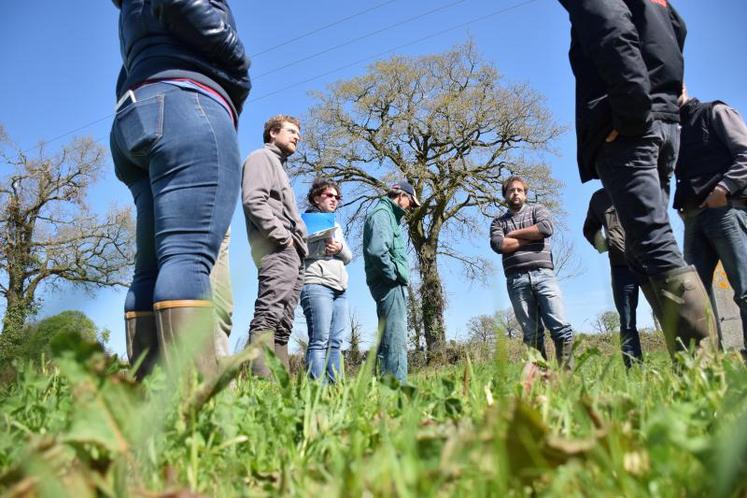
<point>323,296</point>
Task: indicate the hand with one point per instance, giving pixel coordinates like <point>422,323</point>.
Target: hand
<point>332,247</point>
<point>289,243</point>
<point>612,136</point>
<point>716,199</point>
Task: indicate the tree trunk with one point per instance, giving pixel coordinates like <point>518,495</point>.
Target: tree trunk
<point>16,312</point>
<point>432,296</point>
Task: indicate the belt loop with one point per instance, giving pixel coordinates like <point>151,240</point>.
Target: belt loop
<point>128,94</point>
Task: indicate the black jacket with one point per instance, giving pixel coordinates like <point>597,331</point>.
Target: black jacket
<point>601,213</point>
<point>627,59</point>
<point>712,151</point>
<point>195,39</point>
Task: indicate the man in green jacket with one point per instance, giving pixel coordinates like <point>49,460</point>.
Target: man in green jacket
<point>387,275</point>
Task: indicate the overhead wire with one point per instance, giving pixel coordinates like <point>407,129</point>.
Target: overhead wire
<point>359,38</point>
<point>339,68</point>
<point>321,28</point>
<point>398,47</point>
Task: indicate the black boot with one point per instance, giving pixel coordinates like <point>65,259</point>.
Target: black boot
<point>564,353</point>
<point>142,341</point>
<point>281,351</point>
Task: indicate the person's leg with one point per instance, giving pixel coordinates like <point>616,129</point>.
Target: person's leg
<point>625,294</point>
<point>339,330</point>
<point>220,281</point>
<point>194,171</point>
<point>635,171</point>
<point>526,310</point>
<point>630,172</point>
<point>727,230</point>
<point>278,277</point>
<point>285,327</point>
<point>391,308</point>
<point>318,308</point>
<point>552,311</point>
<point>701,253</point>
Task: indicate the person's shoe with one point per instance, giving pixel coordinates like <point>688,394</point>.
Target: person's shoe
<point>179,325</point>
<point>686,312</point>
<point>263,340</point>
<point>564,353</point>
<point>281,351</point>
<point>142,341</point>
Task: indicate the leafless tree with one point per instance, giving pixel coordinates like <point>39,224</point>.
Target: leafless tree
<point>482,329</point>
<point>48,234</point>
<point>354,342</point>
<point>450,126</point>
<point>507,322</point>
<point>606,322</point>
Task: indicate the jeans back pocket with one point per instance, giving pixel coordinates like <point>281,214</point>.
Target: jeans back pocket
<point>139,126</point>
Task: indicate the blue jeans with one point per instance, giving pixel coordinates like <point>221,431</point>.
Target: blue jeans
<point>625,293</point>
<point>535,294</point>
<point>177,152</point>
<point>391,308</point>
<point>636,171</point>
<point>720,234</point>
<point>327,320</point>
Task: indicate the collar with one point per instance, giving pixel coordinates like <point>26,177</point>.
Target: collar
<point>277,152</point>
<point>398,212</point>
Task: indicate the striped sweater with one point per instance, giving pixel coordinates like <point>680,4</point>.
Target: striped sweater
<point>532,256</point>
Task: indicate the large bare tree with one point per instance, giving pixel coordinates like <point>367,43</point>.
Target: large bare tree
<point>48,234</point>
<point>453,128</point>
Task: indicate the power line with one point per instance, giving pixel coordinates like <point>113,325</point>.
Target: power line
<point>404,45</point>
<point>337,69</point>
<point>359,38</point>
<point>322,28</point>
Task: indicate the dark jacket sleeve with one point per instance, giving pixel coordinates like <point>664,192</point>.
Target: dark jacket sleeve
<point>608,36</point>
<point>496,235</point>
<point>731,130</point>
<point>203,27</point>
<point>543,220</point>
<point>592,223</point>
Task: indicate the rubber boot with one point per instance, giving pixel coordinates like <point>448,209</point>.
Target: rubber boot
<point>142,341</point>
<point>264,340</point>
<point>686,310</point>
<point>281,351</point>
<point>187,328</point>
<point>564,353</point>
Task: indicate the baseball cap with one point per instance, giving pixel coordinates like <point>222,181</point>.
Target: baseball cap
<point>404,186</point>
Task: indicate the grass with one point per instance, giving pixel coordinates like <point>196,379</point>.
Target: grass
<point>81,428</point>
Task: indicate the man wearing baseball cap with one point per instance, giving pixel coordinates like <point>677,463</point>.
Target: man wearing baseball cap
<point>387,275</point>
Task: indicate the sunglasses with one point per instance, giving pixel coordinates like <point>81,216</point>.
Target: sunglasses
<point>330,196</point>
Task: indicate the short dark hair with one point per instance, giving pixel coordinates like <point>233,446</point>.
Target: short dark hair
<point>513,179</point>
<point>319,185</point>
<point>275,123</point>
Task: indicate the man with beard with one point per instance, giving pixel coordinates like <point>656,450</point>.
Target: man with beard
<point>626,56</point>
<point>522,237</point>
<point>277,236</point>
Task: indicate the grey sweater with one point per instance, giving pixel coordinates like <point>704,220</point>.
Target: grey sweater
<point>532,256</point>
<point>272,218</point>
<point>328,270</point>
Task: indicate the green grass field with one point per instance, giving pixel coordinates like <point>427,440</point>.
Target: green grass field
<point>81,428</point>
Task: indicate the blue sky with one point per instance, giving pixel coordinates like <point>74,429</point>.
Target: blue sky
<point>60,61</point>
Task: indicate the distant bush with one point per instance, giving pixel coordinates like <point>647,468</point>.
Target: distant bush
<point>35,343</point>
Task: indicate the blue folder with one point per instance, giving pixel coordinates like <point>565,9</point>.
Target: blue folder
<point>317,223</point>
